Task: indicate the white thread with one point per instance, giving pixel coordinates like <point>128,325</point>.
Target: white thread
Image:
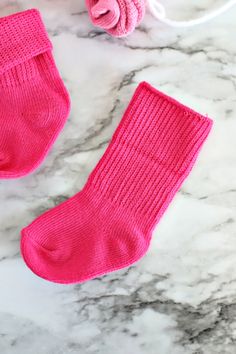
<point>158,11</point>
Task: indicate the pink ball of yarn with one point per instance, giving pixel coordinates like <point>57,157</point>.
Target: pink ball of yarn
<point>117,17</point>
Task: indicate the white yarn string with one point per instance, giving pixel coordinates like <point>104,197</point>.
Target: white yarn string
<point>159,12</point>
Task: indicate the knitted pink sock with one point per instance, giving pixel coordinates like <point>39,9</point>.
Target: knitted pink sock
<point>116,17</point>
<point>108,225</point>
<point>34,103</point>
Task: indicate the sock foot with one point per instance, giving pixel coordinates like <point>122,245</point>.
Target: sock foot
<point>121,242</point>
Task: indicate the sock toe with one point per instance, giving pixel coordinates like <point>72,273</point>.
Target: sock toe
<point>43,261</point>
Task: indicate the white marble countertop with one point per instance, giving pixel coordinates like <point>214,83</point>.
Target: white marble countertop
<point>181,297</point>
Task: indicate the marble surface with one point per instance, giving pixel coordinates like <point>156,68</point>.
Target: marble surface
<point>181,297</point>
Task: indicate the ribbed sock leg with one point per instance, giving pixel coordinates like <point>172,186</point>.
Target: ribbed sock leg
<point>108,225</point>
<point>34,103</point>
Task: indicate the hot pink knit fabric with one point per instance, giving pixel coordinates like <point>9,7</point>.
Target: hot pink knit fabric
<point>108,225</point>
<point>116,17</point>
<point>34,103</point>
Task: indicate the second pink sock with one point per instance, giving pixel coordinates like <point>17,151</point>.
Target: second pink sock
<point>108,225</point>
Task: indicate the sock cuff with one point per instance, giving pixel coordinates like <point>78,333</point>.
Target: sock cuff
<point>22,36</point>
<point>162,128</point>
<point>187,111</point>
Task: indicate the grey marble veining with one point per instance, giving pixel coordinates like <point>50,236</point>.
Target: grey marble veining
<point>181,297</point>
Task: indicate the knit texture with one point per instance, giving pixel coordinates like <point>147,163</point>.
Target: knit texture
<point>34,102</point>
<point>117,17</point>
<point>108,225</point>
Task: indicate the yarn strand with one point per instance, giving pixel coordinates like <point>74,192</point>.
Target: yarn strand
<point>158,11</point>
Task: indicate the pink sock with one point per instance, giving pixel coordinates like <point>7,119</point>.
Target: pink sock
<point>108,225</point>
<point>116,17</point>
<point>34,103</point>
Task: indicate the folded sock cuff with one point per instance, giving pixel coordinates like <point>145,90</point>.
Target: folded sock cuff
<point>22,36</point>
